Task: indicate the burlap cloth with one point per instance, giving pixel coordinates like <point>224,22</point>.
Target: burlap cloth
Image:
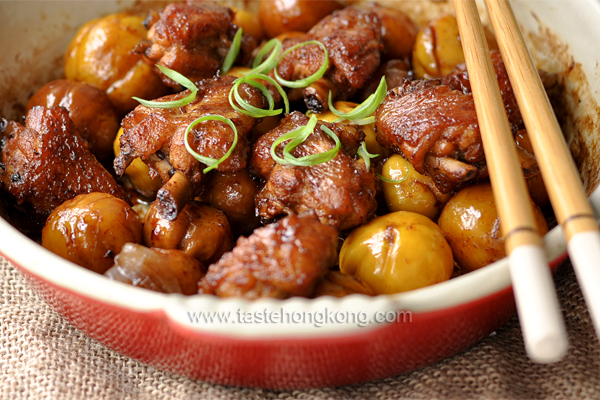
<point>43,357</point>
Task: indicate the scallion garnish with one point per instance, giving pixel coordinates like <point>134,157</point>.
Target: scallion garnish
<point>314,77</point>
<point>364,110</point>
<point>366,156</point>
<point>233,52</point>
<point>183,81</point>
<point>364,121</point>
<point>247,108</point>
<point>296,138</point>
<point>211,163</point>
<point>262,67</point>
<point>394,181</point>
<point>383,178</point>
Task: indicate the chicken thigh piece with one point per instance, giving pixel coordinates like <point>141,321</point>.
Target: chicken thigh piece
<point>433,123</point>
<point>193,39</point>
<point>284,259</point>
<point>354,42</point>
<point>341,192</point>
<point>158,136</point>
<point>47,162</point>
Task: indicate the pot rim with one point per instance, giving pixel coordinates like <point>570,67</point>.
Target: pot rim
<point>30,256</point>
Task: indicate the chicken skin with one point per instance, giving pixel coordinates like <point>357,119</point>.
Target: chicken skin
<point>341,192</point>
<point>283,259</point>
<point>193,39</point>
<point>433,123</point>
<point>353,40</point>
<point>47,162</point>
<point>158,135</point>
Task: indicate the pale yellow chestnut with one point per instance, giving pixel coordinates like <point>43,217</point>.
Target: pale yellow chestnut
<point>336,284</point>
<point>471,225</point>
<point>101,54</point>
<point>412,192</point>
<point>249,22</point>
<point>437,50</point>
<point>397,252</point>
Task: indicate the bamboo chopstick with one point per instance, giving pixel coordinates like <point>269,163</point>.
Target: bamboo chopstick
<point>572,209</point>
<point>539,313</point>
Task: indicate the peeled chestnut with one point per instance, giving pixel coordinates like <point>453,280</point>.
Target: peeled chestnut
<point>199,230</point>
<point>399,31</point>
<point>164,271</point>
<point>89,108</point>
<point>471,224</point>
<point>397,252</point>
<point>249,22</point>
<point>91,229</point>
<point>410,191</point>
<point>279,16</point>
<point>101,54</point>
<point>437,50</point>
<point>233,193</point>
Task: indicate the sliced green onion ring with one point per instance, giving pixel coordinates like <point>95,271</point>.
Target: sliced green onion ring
<point>183,81</point>
<point>297,137</point>
<point>383,178</point>
<point>366,156</point>
<point>364,121</point>
<point>366,108</point>
<point>301,83</point>
<point>314,159</point>
<point>247,108</point>
<point>300,131</point>
<point>258,65</point>
<point>211,163</point>
<point>394,181</point>
<point>233,52</point>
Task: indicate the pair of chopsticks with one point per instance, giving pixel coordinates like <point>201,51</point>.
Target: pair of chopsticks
<point>539,313</point>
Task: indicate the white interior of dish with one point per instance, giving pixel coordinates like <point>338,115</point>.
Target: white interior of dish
<point>41,31</point>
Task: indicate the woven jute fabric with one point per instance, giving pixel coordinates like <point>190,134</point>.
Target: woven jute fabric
<point>43,357</point>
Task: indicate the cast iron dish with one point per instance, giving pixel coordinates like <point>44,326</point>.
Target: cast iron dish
<point>160,329</point>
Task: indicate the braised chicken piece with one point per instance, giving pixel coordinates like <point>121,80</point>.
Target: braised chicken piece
<point>341,192</point>
<point>47,162</point>
<point>157,136</point>
<point>353,40</point>
<point>459,80</point>
<point>164,271</point>
<point>433,123</point>
<point>435,128</point>
<point>193,39</point>
<point>283,259</point>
